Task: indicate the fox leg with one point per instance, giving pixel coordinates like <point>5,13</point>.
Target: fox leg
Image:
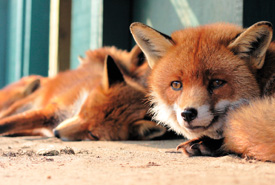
<point>30,120</point>
<point>203,146</point>
<point>34,132</point>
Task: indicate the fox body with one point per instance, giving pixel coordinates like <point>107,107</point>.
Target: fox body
<point>97,101</point>
<point>211,82</point>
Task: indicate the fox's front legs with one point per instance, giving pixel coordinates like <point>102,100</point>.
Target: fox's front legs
<point>203,146</point>
<point>29,121</point>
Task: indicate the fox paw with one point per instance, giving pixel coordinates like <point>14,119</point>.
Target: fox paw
<point>204,146</point>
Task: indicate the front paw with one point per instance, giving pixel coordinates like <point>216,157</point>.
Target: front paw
<point>204,146</point>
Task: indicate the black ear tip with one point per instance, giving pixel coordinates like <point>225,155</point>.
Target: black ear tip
<point>113,71</point>
<point>265,23</point>
<point>109,59</point>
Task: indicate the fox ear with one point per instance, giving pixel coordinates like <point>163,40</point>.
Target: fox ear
<point>81,59</point>
<point>145,130</point>
<point>111,73</point>
<point>31,87</point>
<point>153,43</point>
<point>137,56</point>
<point>253,43</point>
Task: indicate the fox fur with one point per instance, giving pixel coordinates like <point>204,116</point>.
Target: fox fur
<point>19,90</point>
<point>214,84</point>
<point>99,100</point>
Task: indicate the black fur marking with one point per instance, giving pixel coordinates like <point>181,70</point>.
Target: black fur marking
<point>166,36</point>
<point>107,114</point>
<point>237,36</point>
<point>204,146</point>
<point>269,24</point>
<point>150,44</point>
<point>146,40</point>
<point>114,73</point>
<point>252,46</point>
<point>256,44</point>
<point>36,86</point>
<point>141,59</point>
<point>151,131</point>
<point>48,122</point>
<point>269,88</point>
<point>5,128</point>
<point>214,145</point>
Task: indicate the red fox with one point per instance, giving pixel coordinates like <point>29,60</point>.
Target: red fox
<point>214,84</point>
<point>97,101</point>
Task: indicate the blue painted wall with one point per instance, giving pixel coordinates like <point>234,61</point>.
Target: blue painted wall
<point>87,28</point>
<point>3,40</point>
<point>81,29</point>
<point>24,39</point>
<point>36,57</point>
<point>170,15</point>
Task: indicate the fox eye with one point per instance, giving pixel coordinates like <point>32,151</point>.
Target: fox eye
<point>176,85</point>
<point>216,83</point>
<point>93,136</point>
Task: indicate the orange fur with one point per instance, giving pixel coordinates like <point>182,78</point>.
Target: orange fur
<point>95,101</point>
<point>250,130</point>
<point>19,90</point>
<point>219,68</point>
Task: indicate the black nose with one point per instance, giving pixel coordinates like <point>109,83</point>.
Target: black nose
<point>189,114</point>
<point>56,133</point>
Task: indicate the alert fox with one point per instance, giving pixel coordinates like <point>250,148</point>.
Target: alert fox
<point>99,100</point>
<point>214,84</point>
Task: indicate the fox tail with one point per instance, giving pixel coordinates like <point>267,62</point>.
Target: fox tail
<point>250,130</point>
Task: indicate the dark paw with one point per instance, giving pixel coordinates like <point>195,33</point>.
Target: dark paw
<point>204,146</point>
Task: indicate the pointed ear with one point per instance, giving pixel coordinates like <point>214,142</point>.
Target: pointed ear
<point>135,50</point>
<point>153,43</point>
<point>137,56</point>
<point>253,43</point>
<point>81,59</point>
<point>111,73</point>
<point>31,87</point>
<point>145,130</point>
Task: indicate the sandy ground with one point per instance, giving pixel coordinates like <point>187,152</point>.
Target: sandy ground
<point>35,160</point>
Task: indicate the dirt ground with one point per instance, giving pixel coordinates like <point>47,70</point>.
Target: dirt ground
<point>36,160</point>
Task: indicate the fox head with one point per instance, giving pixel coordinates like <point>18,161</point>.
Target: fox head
<point>114,110</point>
<point>198,74</point>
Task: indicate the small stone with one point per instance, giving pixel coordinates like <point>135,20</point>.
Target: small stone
<point>48,152</point>
<point>67,150</point>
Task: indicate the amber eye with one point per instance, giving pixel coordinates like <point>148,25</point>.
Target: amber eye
<point>176,85</point>
<point>93,136</point>
<point>216,83</point>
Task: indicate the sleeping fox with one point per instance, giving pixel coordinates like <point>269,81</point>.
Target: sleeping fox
<point>214,84</point>
<point>97,101</point>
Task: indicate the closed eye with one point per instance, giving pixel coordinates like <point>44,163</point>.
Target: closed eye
<point>93,136</point>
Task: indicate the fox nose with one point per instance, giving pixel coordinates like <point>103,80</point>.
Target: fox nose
<point>56,133</point>
<point>189,114</point>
